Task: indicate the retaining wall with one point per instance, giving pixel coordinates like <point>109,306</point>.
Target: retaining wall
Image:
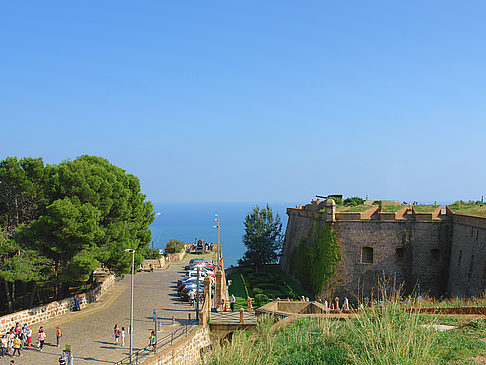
<point>156,263</point>
<point>185,351</point>
<point>175,256</point>
<point>56,308</point>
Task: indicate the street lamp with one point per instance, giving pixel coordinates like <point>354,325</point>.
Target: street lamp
<point>219,246</point>
<point>132,251</point>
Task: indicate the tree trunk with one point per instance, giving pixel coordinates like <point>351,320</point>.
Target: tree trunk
<point>8,296</point>
<point>25,297</point>
<point>13,295</point>
<point>33,292</point>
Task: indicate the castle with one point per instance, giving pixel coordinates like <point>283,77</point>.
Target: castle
<point>438,252</point>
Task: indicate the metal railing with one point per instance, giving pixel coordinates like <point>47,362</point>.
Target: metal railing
<point>140,355</point>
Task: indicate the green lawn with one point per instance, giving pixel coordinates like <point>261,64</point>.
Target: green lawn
<point>357,208</point>
<point>425,208</point>
<point>238,289</point>
<point>469,208</point>
<point>391,208</point>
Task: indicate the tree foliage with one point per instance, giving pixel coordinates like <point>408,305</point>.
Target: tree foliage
<point>317,257</point>
<point>262,238</point>
<point>174,246</point>
<point>72,217</point>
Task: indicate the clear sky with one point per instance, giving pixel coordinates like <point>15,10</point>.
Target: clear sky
<point>253,100</point>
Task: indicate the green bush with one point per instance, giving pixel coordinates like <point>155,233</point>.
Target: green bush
<point>174,246</point>
<point>260,299</point>
<point>354,201</point>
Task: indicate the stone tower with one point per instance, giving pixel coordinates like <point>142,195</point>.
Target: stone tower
<point>330,208</point>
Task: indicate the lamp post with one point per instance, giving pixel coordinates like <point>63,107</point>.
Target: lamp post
<point>132,251</point>
<point>219,247</point>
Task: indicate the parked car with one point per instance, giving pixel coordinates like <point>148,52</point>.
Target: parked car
<point>192,261</point>
<point>189,286</point>
<point>202,273</point>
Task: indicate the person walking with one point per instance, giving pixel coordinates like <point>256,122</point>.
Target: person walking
<point>192,296</point>
<point>77,306</point>
<point>122,336</point>
<point>116,333</point>
<point>58,336</point>
<point>346,304</point>
<point>28,337</point>
<point>63,358</point>
<point>152,340</point>
<point>41,338</point>
<point>232,302</point>
<point>3,346</point>
<point>17,346</point>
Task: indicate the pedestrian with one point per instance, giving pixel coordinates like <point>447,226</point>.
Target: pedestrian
<point>28,337</point>
<point>222,304</point>
<point>232,302</point>
<point>77,306</point>
<point>70,358</point>
<point>41,338</point>
<point>3,346</point>
<point>325,303</point>
<point>11,338</point>
<point>152,340</point>
<point>346,304</point>
<point>192,296</point>
<point>122,335</point>
<point>116,333</point>
<point>63,358</point>
<point>17,346</point>
<point>58,336</point>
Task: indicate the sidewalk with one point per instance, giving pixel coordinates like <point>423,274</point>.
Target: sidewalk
<point>90,332</point>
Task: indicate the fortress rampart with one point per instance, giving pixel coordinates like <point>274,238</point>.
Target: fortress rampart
<point>434,253</point>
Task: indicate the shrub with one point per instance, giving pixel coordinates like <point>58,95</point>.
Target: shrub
<point>174,246</point>
<point>260,299</point>
<point>354,201</point>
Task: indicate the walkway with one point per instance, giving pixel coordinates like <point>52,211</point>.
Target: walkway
<point>90,332</point>
<point>232,317</point>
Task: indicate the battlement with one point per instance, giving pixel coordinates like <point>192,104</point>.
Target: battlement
<point>371,210</point>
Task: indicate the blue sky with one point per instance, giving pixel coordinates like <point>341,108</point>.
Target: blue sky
<point>251,100</point>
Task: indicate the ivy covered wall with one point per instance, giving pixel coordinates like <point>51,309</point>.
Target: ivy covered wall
<point>316,258</point>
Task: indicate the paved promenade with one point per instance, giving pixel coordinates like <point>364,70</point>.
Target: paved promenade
<point>90,332</point>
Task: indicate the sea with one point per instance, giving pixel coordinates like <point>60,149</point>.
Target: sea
<point>189,222</point>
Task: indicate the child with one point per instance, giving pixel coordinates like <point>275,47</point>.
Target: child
<point>58,336</point>
<point>116,333</point>
<point>16,346</point>
<point>42,337</point>
<point>28,337</point>
<point>122,335</point>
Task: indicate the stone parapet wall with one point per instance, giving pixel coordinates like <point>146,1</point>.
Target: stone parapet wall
<point>175,256</point>
<point>156,263</point>
<point>56,308</point>
<point>185,351</point>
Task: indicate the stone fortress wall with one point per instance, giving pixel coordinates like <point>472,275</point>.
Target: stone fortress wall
<point>438,254</point>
